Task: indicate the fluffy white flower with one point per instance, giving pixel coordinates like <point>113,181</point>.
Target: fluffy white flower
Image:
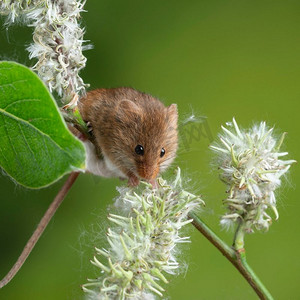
<point>251,167</point>
<point>58,41</point>
<point>142,245</point>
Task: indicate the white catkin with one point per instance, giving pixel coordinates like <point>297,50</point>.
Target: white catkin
<point>58,41</point>
<point>142,242</point>
<point>251,168</point>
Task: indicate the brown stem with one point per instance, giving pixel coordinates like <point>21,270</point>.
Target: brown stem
<point>246,271</point>
<point>40,228</point>
<point>237,258</point>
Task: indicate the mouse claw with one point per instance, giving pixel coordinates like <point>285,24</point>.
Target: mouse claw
<point>133,181</point>
<point>89,127</point>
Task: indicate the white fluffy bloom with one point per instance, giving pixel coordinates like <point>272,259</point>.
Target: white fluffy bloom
<point>142,244</point>
<point>251,167</point>
<point>58,40</point>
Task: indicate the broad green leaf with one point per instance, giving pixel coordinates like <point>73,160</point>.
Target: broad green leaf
<point>36,148</point>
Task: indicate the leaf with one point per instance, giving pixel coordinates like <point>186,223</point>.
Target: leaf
<point>36,148</point>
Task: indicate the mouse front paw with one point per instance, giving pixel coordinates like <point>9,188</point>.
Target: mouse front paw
<point>133,181</point>
<point>154,183</point>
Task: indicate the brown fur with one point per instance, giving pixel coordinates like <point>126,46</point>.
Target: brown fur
<point>121,119</point>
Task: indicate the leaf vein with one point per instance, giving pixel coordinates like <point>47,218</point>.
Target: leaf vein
<point>35,128</point>
<point>12,83</point>
<point>4,156</point>
<point>28,146</point>
<point>21,101</point>
<point>9,137</point>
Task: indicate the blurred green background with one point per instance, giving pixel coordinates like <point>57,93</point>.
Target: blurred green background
<point>215,58</point>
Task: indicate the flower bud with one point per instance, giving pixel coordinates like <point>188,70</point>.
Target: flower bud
<point>251,167</point>
<point>142,244</point>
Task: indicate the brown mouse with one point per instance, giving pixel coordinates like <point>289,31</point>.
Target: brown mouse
<point>133,135</point>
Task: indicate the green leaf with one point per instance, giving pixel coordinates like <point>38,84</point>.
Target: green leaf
<point>36,148</point>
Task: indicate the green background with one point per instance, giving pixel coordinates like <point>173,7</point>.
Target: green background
<point>215,58</point>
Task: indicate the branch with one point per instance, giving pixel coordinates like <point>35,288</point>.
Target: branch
<point>237,258</point>
<point>40,228</point>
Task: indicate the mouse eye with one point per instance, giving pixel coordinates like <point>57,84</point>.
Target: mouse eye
<point>162,152</point>
<point>139,150</point>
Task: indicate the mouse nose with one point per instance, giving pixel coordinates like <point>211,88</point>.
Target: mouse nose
<point>148,172</point>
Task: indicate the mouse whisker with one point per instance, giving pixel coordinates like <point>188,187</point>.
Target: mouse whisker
<point>169,158</point>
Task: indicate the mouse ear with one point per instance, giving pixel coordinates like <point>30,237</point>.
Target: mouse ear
<point>172,115</point>
<point>127,108</point>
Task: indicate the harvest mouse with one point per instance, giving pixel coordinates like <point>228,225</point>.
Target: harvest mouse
<point>133,135</point>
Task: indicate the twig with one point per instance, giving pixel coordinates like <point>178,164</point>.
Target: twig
<point>40,228</point>
<point>237,258</point>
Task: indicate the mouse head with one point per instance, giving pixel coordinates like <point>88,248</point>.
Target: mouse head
<point>147,132</point>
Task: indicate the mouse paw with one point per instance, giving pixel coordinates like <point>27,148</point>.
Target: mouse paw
<point>154,183</point>
<point>133,181</point>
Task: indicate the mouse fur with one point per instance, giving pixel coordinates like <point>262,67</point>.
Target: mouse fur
<point>122,118</point>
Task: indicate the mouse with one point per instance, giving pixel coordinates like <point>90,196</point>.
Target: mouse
<point>133,135</point>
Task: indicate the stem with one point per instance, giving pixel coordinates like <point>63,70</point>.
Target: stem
<point>40,228</point>
<point>238,242</point>
<point>251,277</point>
<point>237,258</point>
<point>227,251</point>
